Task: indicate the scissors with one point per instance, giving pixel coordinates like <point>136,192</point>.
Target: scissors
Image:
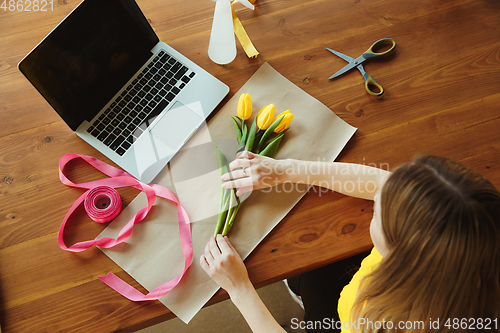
<point>372,87</point>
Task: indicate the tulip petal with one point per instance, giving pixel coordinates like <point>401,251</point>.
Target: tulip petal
<point>244,108</point>
<point>265,116</point>
<point>288,116</point>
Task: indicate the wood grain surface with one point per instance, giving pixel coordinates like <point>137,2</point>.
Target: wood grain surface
<point>442,97</point>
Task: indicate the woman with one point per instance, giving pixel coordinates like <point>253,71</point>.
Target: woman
<point>435,265</point>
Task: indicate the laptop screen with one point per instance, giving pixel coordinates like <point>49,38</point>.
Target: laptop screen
<point>89,57</point>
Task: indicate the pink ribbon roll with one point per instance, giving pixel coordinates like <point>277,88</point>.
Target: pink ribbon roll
<point>118,178</point>
<point>103,204</point>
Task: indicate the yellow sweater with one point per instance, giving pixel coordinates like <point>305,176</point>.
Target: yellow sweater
<point>348,294</point>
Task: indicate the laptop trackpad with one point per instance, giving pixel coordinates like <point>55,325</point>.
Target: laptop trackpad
<point>173,129</point>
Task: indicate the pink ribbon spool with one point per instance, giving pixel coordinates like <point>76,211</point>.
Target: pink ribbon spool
<point>118,178</point>
<point>103,204</point>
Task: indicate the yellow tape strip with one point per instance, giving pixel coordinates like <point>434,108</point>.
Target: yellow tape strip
<point>242,36</point>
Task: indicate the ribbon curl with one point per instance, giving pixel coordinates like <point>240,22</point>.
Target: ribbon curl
<point>119,178</point>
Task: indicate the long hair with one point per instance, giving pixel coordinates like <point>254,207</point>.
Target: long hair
<point>441,223</point>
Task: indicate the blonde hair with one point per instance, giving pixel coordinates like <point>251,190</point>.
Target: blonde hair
<point>441,222</point>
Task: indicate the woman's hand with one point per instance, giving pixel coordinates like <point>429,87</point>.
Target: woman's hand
<point>253,172</point>
<point>224,265</point>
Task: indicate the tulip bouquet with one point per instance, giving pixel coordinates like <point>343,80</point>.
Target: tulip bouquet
<point>262,137</point>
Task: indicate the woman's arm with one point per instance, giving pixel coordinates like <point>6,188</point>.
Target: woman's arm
<point>253,172</point>
<point>224,265</point>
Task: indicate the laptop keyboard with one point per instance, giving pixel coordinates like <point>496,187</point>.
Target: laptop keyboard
<point>141,102</point>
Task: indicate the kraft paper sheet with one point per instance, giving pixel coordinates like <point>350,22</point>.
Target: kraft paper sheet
<point>153,255</point>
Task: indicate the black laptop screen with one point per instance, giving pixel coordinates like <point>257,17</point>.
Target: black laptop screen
<point>87,59</point>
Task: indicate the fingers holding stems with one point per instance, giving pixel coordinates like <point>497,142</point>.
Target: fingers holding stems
<point>208,259</point>
<point>240,175</point>
<point>223,264</point>
<point>251,172</point>
<point>242,181</point>
<point>217,250</point>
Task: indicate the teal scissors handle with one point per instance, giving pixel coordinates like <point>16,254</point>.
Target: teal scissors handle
<point>371,54</point>
<point>372,87</point>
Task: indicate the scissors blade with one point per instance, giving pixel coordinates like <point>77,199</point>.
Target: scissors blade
<point>341,55</point>
<point>343,70</point>
<point>353,63</point>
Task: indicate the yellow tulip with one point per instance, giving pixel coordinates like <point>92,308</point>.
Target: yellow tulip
<point>285,122</point>
<point>245,106</point>
<point>265,117</point>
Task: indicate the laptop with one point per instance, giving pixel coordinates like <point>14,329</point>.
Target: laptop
<point>132,97</point>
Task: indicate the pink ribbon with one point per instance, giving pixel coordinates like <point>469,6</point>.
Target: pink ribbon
<point>119,178</point>
<point>102,204</point>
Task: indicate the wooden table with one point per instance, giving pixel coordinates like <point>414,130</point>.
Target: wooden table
<point>442,97</point>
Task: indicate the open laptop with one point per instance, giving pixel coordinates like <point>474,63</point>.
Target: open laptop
<point>132,97</point>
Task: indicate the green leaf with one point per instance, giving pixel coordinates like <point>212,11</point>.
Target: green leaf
<point>242,142</point>
<point>222,161</point>
<point>251,135</point>
<point>238,130</point>
<point>268,132</point>
<point>272,147</point>
<point>258,135</point>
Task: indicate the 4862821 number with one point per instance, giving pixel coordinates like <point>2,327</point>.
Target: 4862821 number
<point>27,5</point>
<point>472,324</point>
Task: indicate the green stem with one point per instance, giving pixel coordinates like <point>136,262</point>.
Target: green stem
<point>230,220</point>
<point>222,213</point>
<point>229,212</point>
<point>224,197</point>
